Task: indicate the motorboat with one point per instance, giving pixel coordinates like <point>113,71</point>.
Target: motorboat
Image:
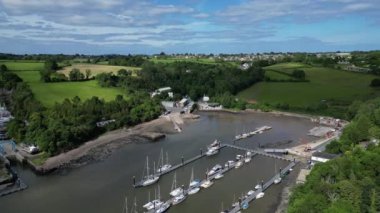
<point>218,176</point>
<point>229,163</point>
<point>212,151</point>
<point>248,153</point>
<point>247,159</point>
<point>250,192</point>
<point>258,186</point>
<point>238,164</point>
<point>217,168</point>
<point>239,157</point>
<point>277,180</point>
<point>214,145</point>
<point>260,195</point>
<point>207,184</point>
<point>178,199</point>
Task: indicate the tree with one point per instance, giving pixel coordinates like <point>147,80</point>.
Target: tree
<point>299,74</point>
<point>3,68</point>
<point>88,73</point>
<point>76,75</point>
<point>375,82</point>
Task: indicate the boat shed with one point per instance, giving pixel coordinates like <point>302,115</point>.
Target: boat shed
<point>322,157</point>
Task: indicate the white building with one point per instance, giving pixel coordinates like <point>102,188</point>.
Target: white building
<point>322,157</point>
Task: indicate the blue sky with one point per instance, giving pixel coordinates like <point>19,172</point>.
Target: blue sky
<point>194,26</point>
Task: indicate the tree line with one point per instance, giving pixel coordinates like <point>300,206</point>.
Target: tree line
<point>187,78</point>
<point>350,183</point>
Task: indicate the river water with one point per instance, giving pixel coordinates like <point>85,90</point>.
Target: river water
<point>101,187</point>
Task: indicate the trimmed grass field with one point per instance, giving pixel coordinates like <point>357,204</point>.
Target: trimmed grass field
<point>325,84</point>
<point>23,65</point>
<point>97,68</point>
<point>50,93</point>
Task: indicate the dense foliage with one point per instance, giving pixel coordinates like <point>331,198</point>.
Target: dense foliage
<point>72,122</point>
<point>186,78</point>
<point>350,183</point>
<point>364,126</point>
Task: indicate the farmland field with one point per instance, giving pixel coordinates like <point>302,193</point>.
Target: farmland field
<point>325,84</point>
<point>50,93</point>
<point>96,68</point>
<point>23,65</point>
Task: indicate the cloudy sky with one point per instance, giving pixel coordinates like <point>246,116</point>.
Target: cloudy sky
<point>196,26</point>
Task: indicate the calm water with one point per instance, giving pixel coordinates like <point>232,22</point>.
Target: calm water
<point>102,186</point>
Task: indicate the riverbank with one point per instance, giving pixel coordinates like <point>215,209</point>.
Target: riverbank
<point>103,146</point>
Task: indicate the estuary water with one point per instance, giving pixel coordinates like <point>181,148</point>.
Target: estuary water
<point>101,187</point>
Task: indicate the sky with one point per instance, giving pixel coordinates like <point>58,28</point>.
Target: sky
<point>188,26</point>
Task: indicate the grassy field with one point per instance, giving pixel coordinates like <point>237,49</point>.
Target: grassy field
<point>22,65</point>
<point>325,84</point>
<point>50,93</point>
<point>96,68</point>
<point>277,76</point>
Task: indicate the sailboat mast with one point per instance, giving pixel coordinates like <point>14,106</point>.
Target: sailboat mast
<point>147,166</point>
<point>135,205</point>
<point>126,205</point>
<point>167,158</point>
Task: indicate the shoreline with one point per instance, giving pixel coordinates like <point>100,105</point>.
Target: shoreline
<point>102,146</point>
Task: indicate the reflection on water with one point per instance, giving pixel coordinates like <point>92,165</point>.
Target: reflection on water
<point>102,186</point>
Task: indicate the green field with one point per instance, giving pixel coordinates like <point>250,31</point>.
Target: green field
<point>277,76</point>
<point>22,65</point>
<point>97,69</point>
<point>325,84</point>
<point>50,93</point>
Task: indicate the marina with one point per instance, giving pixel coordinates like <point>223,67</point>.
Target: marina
<point>179,194</point>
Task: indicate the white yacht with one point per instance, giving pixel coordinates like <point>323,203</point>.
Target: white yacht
<point>260,195</point>
<point>178,199</point>
<point>218,176</point>
<point>149,179</point>
<point>212,151</point>
<point>163,167</point>
<point>207,184</point>
<point>217,168</point>
<point>258,186</point>
<point>250,192</point>
<point>163,208</point>
<point>193,185</point>
<point>238,164</point>
<point>175,190</point>
<point>229,163</point>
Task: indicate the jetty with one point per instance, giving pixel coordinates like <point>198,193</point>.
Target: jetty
<point>252,133</point>
<point>183,163</point>
<point>247,199</point>
<point>224,170</point>
<point>17,186</point>
<point>202,154</point>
